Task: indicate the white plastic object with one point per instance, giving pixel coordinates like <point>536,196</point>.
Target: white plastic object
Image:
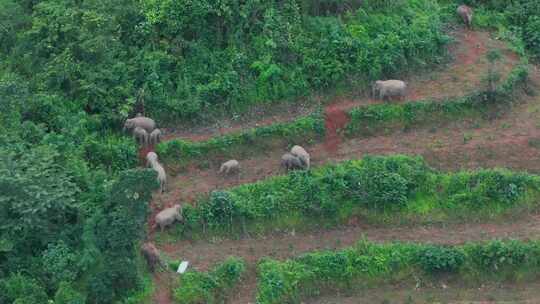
<point>182,267</point>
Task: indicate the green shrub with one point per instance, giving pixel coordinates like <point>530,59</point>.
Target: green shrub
<point>488,186</point>
<point>387,181</point>
<point>111,153</point>
<point>220,209</point>
<point>440,259</point>
<point>67,295</point>
<point>211,287</point>
<point>499,255</point>
<point>18,288</point>
<point>59,262</point>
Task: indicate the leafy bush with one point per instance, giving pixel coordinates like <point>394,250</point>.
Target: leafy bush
<point>440,259</point>
<point>220,209</point>
<point>18,288</point>
<point>111,153</point>
<point>60,263</point>
<point>387,181</point>
<point>487,186</point>
<point>211,287</point>
<point>498,255</point>
<point>67,295</point>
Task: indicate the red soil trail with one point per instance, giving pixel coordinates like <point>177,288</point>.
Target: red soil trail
<point>163,283</point>
<point>335,119</point>
<point>143,151</point>
<point>476,50</point>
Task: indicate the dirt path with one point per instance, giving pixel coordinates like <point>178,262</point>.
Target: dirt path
<point>460,77</point>
<point>442,292</point>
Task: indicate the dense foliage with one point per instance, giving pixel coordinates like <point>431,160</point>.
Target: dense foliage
<point>71,207</point>
<point>400,185</point>
<point>185,58</point>
<point>210,287</point>
<point>367,264</point>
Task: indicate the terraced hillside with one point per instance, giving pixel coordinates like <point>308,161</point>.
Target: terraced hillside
<point>495,138</point>
<point>412,199</point>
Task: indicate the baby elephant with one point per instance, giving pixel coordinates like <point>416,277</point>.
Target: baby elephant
<point>155,137</point>
<point>141,136</point>
<point>228,167</point>
<point>161,176</point>
<point>151,159</point>
<point>291,162</point>
<point>389,88</point>
<point>167,216</point>
<point>146,123</point>
<point>302,154</point>
<point>466,14</point>
<point>151,255</point>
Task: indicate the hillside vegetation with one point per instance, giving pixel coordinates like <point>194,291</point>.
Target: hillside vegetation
<point>72,207</point>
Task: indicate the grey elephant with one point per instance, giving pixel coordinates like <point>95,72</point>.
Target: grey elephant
<point>389,88</point>
<point>151,255</point>
<point>466,14</point>
<point>161,176</point>
<point>155,137</point>
<point>228,167</point>
<point>146,123</point>
<point>141,136</point>
<point>291,162</point>
<point>151,158</point>
<point>152,161</point>
<point>302,154</point>
<point>168,216</point>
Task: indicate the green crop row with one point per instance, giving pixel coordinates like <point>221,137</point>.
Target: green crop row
<point>209,287</point>
<point>364,120</point>
<point>374,187</point>
<point>367,264</point>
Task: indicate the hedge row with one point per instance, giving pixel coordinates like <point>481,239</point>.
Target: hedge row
<point>250,141</point>
<point>364,120</point>
<point>367,264</point>
<point>376,185</point>
<point>209,287</point>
